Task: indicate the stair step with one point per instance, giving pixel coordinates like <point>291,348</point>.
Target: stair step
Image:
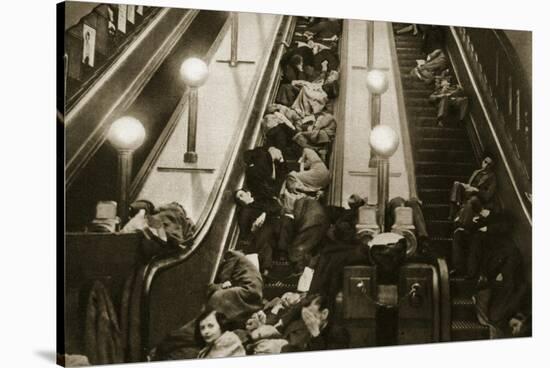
<point>424,93</point>
<point>460,155</point>
<point>435,211</point>
<point>405,70</point>
<point>463,309</point>
<point>439,132</point>
<point>273,289</point>
<point>444,167</point>
<point>441,142</point>
<point>407,63</point>
<point>419,102</point>
<point>408,37</point>
<point>461,287</point>
<point>434,196</point>
<point>439,228</point>
<point>442,245</point>
<point>409,53</point>
<point>411,82</point>
<point>438,181</point>
<point>408,42</point>
<point>427,111</point>
<point>424,121</point>
<point>467,330</point>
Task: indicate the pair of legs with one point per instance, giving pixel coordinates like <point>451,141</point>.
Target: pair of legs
<point>274,234</point>
<point>467,252</point>
<point>411,27</point>
<point>448,102</point>
<point>461,199</point>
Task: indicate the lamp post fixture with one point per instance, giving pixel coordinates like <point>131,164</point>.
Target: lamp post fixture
<point>384,142</point>
<point>234,38</point>
<point>377,84</point>
<point>194,73</point>
<point>126,135</point>
<point>233,57</point>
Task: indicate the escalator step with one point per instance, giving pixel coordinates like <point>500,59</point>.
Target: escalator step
<point>424,93</point>
<point>419,102</point>
<point>438,181</point>
<point>444,168</point>
<point>274,289</point>
<point>452,155</point>
<point>467,330</point>
<point>439,132</point>
<point>462,288</point>
<point>441,142</point>
<point>434,196</point>
<point>463,309</point>
<point>436,211</point>
<point>439,228</point>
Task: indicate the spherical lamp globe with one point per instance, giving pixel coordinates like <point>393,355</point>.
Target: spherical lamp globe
<point>384,140</point>
<point>194,72</point>
<point>126,133</point>
<point>377,81</point>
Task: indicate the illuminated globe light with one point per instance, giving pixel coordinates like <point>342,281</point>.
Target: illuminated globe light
<point>384,140</point>
<point>194,72</point>
<point>377,82</point>
<point>126,133</point>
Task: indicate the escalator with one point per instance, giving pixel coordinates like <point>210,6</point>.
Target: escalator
<point>163,289</point>
<point>442,155</point>
<point>151,94</point>
<point>177,282</point>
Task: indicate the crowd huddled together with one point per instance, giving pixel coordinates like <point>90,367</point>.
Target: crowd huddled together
<point>282,215</point>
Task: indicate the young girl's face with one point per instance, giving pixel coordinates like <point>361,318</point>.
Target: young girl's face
<point>210,328</point>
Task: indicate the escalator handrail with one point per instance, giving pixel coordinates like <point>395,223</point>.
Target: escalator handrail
<point>403,118</point>
<point>273,86</point>
<point>445,298</point>
<point>139,180</point>
<point>93,141</point>
<point>160,263</point>
<point>111,59</point>
<point>490,123</point>
<point>337,151</point>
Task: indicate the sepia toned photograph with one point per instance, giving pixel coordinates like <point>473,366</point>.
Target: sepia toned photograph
<point>240,183</point>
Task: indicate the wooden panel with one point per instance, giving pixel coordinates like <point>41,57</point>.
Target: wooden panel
<point>73,47</point>
<point>359,309</point>
<point>360,289</point>
<point>109,258</point>
<point>416,315</point>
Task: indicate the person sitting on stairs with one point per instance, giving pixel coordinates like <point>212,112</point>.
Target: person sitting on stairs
<point>448,96</point>
<point>481,187</point>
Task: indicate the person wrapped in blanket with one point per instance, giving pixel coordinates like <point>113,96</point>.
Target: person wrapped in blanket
<point>309,62</point>
<point>167,226</point>
<point>435,63</point>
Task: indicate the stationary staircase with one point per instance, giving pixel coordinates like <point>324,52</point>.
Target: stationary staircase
<point>442,155</point>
